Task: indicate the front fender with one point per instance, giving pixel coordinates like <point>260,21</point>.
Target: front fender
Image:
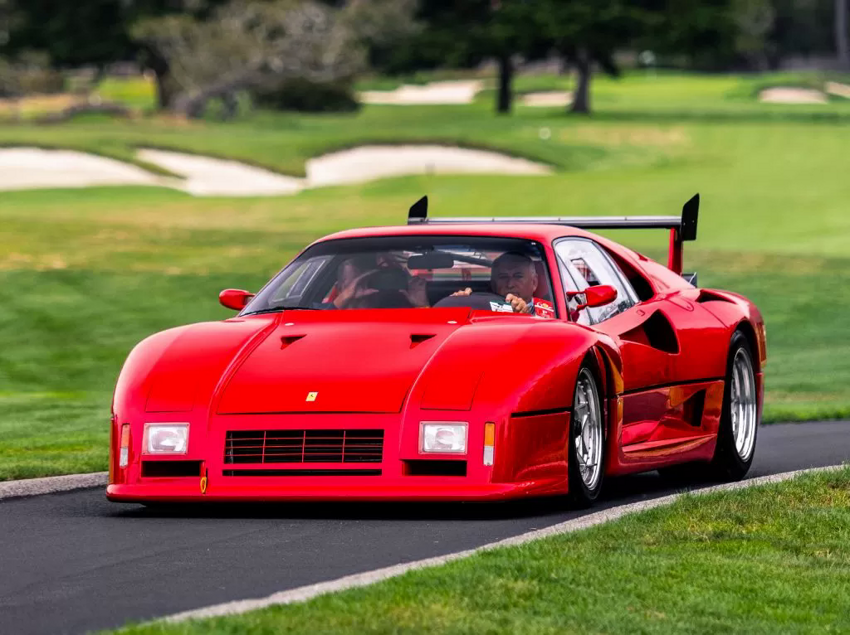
<point>538,372</point>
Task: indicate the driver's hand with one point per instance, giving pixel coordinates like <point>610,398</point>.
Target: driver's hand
<point>466,291</point>
<point>518,304</point>
<point>353,290</point>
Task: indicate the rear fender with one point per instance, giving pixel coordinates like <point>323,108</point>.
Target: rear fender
<point>735,312</point>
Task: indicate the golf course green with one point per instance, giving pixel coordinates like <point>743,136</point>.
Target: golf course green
<point>87,273</point>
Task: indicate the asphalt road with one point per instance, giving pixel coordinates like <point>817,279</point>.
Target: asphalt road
<point>73,562</point>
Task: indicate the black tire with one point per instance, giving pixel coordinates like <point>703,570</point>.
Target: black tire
<point>728,464</point>
<point>582,493</point>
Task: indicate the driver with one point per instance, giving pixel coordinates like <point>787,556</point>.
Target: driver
<point>514,277</point>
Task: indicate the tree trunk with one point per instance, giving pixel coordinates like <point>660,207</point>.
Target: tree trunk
<point>841,35</point>
<point>165,92</point>
<point>581,98</point>
<point>506,72</point>
<point>191,104</point>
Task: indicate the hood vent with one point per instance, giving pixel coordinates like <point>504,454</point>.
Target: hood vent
<point>286,340</point>
<point>417,338</point>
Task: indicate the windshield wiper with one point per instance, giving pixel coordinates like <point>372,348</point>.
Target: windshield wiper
<point>277,309</point>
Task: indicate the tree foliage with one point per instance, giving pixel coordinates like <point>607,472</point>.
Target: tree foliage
<point>260,44</point>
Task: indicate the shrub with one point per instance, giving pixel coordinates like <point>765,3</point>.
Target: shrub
<point>307,96</point>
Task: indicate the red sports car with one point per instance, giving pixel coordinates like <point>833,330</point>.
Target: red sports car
<point>449,359</point>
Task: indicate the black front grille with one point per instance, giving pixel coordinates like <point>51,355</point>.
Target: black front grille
<point>300,472</point>
<point>304,446</point>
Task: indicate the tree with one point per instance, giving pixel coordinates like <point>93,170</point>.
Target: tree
<point>754,20</point>
<point>464,34</point>
<point>71,33</point>
<point>590,33</point>
<point>251,44</point>
<point>841,37</point>
<point>587,33</point>
<point>94,32</point>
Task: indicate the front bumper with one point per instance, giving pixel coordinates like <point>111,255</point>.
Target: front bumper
<point>530,461</point>
<point>273,491</point>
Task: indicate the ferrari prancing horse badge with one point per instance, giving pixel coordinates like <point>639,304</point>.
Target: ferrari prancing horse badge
<point>311,396</point>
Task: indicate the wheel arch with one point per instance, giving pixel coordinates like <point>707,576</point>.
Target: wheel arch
<point>746,328</point>
<point>607,364</point>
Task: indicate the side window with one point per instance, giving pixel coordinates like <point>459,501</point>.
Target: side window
<point>299,279</point>
<point>584,264</point>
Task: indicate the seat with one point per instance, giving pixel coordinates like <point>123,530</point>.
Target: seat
<point>543,290</point>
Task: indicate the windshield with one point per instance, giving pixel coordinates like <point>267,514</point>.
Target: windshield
<point>406,272</point>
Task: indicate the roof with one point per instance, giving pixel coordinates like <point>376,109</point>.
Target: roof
<point>540,233</point>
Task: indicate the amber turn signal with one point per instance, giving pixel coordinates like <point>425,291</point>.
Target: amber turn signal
<point>489,442</point>
<point>124,451</point>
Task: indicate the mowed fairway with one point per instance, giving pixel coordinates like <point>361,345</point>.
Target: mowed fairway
<point>86,274</point>
<point>773,559</point>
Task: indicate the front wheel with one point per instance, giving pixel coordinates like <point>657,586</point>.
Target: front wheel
<point>585,460</point>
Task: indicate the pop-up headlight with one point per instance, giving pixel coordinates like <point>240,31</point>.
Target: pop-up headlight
<point>438,437</point>
<point>166,438</point>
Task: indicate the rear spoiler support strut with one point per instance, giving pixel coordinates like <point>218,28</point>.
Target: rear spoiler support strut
<point>682,228</point>
<point>686,230</point>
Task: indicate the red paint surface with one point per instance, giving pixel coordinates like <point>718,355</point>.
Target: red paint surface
<point>376,369</point>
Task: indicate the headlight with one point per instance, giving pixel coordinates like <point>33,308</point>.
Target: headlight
<point>442,437</point>
<point>166,438</point>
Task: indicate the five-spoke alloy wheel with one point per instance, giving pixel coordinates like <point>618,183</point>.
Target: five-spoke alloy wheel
<point>736,439</point>
<point>586,440</point>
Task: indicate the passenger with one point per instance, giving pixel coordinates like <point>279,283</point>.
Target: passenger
<point>348,276</point>
<point>356,276</point>
<point>417,286</point>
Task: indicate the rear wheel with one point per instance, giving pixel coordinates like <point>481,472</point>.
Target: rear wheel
<point>586,446</point>
<point>736,438</point>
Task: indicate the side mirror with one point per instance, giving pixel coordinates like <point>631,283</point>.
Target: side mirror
<point>600,295</point>
<point>235,299</point>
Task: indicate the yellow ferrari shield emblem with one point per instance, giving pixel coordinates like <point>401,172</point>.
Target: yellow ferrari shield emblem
<point>311,396</point>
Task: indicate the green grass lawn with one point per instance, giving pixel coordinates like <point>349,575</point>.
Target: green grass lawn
<point>88,273</point>
<point>774,559</point>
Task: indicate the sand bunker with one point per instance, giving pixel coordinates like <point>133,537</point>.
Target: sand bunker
<point>781,95</point>
<point>206,176</point>
<point>375,162</point>
<point>839,90</point>
<point>22,168</point>
<point>547,99</point>
<point>448,92</point>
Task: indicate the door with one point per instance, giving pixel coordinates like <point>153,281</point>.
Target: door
<point>658,410</point>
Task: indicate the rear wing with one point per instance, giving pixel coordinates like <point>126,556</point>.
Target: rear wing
<point>682,228</point>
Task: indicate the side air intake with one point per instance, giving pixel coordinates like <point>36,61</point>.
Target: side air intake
<point>656,332</point>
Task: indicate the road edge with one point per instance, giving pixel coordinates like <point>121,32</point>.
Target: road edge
<point>51,484</point>
<point>304,593</point>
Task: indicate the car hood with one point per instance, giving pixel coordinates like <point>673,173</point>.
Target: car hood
<point>337,362</point>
